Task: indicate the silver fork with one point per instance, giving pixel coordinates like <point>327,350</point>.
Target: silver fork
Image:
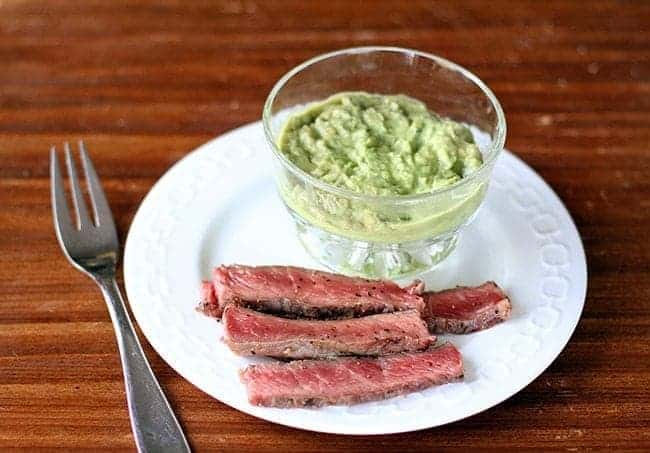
<point>91,245</point>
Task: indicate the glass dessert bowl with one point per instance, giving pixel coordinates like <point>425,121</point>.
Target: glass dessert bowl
<point>388,236</point>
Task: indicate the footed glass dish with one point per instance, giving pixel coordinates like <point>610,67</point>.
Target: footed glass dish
<point>376,235</point>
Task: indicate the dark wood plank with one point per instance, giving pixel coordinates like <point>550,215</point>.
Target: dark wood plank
<point>146,82</point>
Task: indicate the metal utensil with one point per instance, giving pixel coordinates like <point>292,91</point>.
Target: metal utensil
<point>91,245</point>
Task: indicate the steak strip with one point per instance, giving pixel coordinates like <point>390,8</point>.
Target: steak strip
<point>304,292</point>
<point>466,309</point>
<point>348,381</point>
<point>248,332</point>
<point>208,304</point>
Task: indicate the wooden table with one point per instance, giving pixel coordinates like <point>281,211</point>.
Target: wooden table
<point>144,83</point>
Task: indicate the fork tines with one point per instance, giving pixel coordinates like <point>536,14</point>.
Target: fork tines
<point>102,218</point>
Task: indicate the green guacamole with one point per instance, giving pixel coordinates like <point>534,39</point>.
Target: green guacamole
<point>389,145</point>
<point>379,145</point>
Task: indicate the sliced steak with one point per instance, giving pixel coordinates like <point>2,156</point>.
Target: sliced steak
<point>208,303</point>
<point>309,293</point>
<point>349,381</point>
<point>466,309</point>
<point>248,332</point>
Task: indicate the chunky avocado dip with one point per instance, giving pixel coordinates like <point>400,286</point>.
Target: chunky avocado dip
<point>387,145</point>
<point>379,145</point>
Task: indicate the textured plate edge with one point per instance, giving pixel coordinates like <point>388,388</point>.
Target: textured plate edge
<point>251,410</point>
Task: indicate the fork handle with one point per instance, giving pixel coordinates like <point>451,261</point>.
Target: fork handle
<point>154,425</point>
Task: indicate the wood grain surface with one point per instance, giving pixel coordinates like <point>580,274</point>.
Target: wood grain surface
<point>146,82</point>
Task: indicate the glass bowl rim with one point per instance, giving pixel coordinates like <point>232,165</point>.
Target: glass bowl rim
<point>494,149</point>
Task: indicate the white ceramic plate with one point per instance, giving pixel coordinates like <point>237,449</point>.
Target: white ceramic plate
<point>219,205</point>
